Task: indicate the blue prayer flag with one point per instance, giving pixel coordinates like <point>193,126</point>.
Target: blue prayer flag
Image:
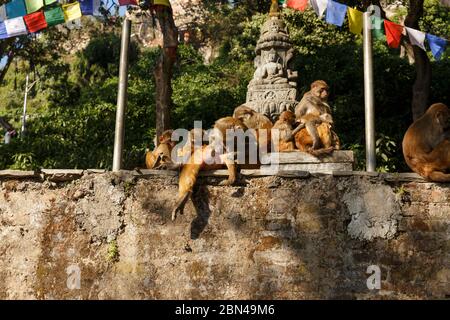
<point>437,45</point>
<point>336,13</point>
<point>87,7</point>
<point>3,33</point>
<point>16,8</point>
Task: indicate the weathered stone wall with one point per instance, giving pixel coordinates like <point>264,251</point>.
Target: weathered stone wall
<point>271,237</point>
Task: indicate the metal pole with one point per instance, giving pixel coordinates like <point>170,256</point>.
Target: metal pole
<point>24,115</point>
<point>121,96</point>
<point>368,96</point>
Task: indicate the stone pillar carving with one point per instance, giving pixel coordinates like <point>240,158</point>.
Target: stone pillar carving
<point>273,88</point>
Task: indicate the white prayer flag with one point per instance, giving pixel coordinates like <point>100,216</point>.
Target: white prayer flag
<point>3,16</point>
<point>96,6</point>
<point>15,27</point>
<point>319,6</point>
<point>416,37</point>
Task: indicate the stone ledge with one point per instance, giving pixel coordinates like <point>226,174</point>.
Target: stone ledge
<point>61,175</point>
<point>18,174</point>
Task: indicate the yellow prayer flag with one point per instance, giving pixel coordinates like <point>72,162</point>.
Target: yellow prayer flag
<point>162,2</point>
<point>355,20</point>
<point>72,11</point>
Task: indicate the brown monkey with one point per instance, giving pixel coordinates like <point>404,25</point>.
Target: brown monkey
<point>258,122</point>
<point>162,153</point>
<point>198,161</point>
<point>285,124</point>
<point>426,144</point>
<point>251,118</point>
<point>329,140</point>
<point>314,110</point>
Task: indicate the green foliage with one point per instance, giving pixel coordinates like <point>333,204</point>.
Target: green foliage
<point>113,252</point>
<point>385,150</point>
<point>207,92</point>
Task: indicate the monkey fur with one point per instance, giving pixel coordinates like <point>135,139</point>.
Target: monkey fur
<point>426,144</point>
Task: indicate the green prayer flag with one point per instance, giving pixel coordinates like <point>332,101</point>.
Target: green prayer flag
<point>377,28</point>
<point>49,2</point>
<point>34,5</point>
<point>54,16</point>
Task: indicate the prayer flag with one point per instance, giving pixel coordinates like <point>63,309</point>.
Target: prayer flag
<point>35,21</point>
<point>127,2</point>
<point>87,7</point>
<point>15,27</point>
<point>393,33</point>
<point>3,15</point>
<point>437,45</point>
<point>416,37</point>
<point>297,4</point>
<point>49,2</point>
<point>96,7</point>
<point>162,2</point>
<point>336,13</point>
<point>54,16</point>
<point>34,5</point>
<point>355,20</point>
<point>71,11</point>
<point>15,8</point>
<point>377,27</point>
<point>319,6</point>
<point>3,33</point>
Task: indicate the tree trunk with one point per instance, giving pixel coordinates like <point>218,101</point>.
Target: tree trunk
<point>164,69</point>
<point>422,84</point>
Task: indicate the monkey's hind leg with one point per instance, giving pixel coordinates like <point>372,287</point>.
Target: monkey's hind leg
<point>228,159</point>
<point>188,178</point>
<point>312,130</point>
<point>180,204</point>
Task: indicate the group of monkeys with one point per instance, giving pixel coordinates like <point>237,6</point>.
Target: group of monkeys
<point>426,145</point>
<point>308,129</point>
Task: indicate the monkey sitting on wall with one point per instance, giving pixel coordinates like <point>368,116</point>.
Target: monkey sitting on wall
<point>426,144</point>
<point>285,125</point>
<point>315,134</point>
<point>243,118</point>
<point>199,161</point>
<point>161,155</point>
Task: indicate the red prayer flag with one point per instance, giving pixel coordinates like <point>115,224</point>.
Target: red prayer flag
<point>297,4</point>
<point>127,2</point>
<point>393,33</point>
<point>35,21</point>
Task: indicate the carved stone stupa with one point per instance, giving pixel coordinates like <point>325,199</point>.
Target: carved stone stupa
<point>273,88</point>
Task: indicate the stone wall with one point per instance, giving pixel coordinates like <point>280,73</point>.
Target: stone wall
<point>106,236</point>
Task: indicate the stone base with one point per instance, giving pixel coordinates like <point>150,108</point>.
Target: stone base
<point>302,161</point>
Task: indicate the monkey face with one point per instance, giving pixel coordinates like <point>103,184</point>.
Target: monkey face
<point>441,114</point>
<point>319,88</point>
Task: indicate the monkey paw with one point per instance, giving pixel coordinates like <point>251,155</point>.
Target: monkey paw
<point>228,182</point>
<point>175,212</point>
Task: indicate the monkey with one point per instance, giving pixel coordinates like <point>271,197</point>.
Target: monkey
<point>257,122</point>
<point>162,153</point>
<point>329,140</point>
<point>313,110</point>
<point>426,144</point>
<point>198,161</point>
<point>285,124</point>
<point>251,118</point>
